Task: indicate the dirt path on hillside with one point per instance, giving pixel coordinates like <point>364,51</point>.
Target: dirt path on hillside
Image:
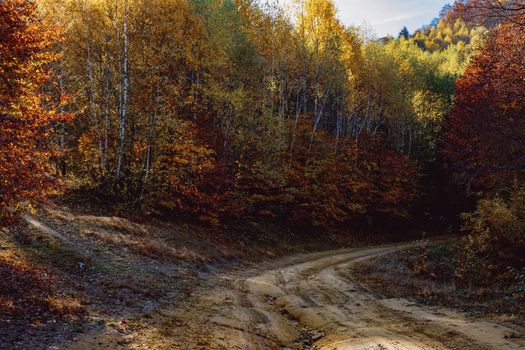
<point>302,302</point>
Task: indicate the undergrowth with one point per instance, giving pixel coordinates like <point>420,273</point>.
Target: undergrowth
<point>447,274</point>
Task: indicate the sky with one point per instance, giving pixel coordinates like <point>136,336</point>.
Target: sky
<point>389,16</point>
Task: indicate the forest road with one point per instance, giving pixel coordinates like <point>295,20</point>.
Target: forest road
<point>311,302</point>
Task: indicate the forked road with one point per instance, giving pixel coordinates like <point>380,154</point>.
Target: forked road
<point>311,302</point>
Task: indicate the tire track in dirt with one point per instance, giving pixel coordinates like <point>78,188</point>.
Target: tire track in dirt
<point>311,302</point>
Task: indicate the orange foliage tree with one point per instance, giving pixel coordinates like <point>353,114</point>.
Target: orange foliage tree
<point>26,114</point>
<point>184,177</point>
<point>485,145</point>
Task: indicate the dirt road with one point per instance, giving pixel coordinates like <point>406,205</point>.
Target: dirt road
<point>304,302</point>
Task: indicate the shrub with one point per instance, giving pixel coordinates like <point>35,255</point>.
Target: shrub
<point>429,260</point>
<point>497,231</point>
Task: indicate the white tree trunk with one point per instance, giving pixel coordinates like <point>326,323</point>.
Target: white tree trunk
<point>125,91</point>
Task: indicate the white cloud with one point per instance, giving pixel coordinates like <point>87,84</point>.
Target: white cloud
<point>398,18</point>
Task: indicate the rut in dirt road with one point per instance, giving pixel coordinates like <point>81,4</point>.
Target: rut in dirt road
<point>313,304</point>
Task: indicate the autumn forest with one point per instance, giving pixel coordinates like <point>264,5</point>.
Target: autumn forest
<point>229,115</point>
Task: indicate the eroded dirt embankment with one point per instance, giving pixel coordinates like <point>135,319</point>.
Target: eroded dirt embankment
<point>303,302</point>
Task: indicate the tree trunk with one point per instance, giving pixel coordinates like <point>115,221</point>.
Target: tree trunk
<point>93,104</point>
<point>152,134</point>
<point>125,90</point>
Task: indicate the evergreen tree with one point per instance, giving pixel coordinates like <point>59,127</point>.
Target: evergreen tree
<point>404,33</point>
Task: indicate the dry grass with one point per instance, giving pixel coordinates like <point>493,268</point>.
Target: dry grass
<point>390,277</point>
<point>65,305</point>
<point>145,246</point>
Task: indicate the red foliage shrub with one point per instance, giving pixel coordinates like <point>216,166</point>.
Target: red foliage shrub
<point>317,186</point>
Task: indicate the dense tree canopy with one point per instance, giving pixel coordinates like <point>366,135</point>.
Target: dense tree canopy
<point>220,110</point>
<point>447,32</point>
